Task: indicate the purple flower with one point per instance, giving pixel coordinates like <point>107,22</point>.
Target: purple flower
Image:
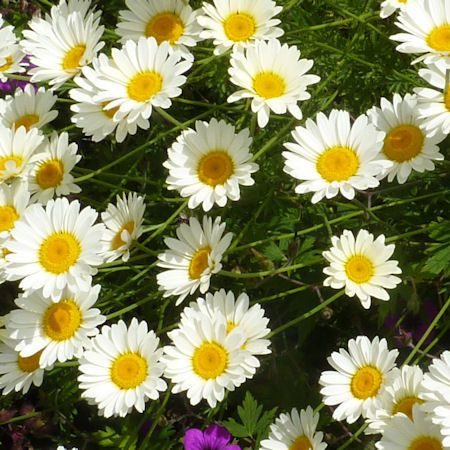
<point>214,437</point>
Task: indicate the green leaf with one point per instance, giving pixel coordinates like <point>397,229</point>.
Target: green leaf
<point>439,262</point>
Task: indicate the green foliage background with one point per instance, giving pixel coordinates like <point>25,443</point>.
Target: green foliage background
<point>279,237</point>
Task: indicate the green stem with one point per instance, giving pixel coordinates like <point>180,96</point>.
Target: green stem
<point>306,315</point>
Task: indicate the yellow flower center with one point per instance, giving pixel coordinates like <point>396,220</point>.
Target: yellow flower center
<point>405,406</point>
<point>337,164</point>
<point>72,58</point>
<point>7,65</point>
<point>117,242</point>
<point>447,97</point>
<point>17,160</point>
<point>165,27</point>
<point>62,320</point>
<point>426,443</point>
<point>29,364</point>
<point>59,252</point>
<point>8,217</point>
<point>366,382</point>
<point>301,443</point>
<point>439,38</point>
<point>210,360</point>
<point>129,370</point>
<point>403,143</point>
<point>109,112</point>
<point>144,85</point>
<point>50,174</point>
<point>269,85</point>
<point>359,269</point>
<point>27,121</point>
<point>239,26</point>
<point>199,263</point>
<point>215,168</point>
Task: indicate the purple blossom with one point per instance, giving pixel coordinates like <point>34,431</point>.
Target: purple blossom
<point>214,437</point>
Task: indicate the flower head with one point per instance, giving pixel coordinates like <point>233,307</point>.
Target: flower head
<point>214,437</point>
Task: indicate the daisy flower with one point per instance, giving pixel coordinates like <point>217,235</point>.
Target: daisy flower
<point>209,163</point>
<point>388,7</point>
<point>416,433</point>
<point>295,431</point>
<point>359,379</point>
<point>330,156</point>
<point>95,118</point>
<point>7,37</point>
<point>406,144</point>
<point>123,224</point>
<point>55,246</point>
<point>273,76</point>
<point>16,149</point>
<point>11,62</point>
<point>63,42</point>
<point>193,257</point>
<point>427,27</point>
<point>50,175</point>
<point>29,108</point>
<point>362,266</point>
<point>173,21</point>
<point>400,395</point>
<point>237,314</point>
<point>434,105</point>
<point>122,370</point>
<point>59,331</point>
<point>14,199</point>
<point>239,22</point>
<point>18,373</point>
<point>140,76</point>
<point>436,393</point>
<point>204,360</point>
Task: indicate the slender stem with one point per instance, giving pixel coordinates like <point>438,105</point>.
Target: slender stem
<point>306,315</point>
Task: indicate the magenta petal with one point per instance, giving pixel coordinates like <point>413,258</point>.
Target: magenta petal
<point>194,440</point>
<point>217,437</point>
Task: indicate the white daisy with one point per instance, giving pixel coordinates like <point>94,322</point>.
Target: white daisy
<point>3,276</point>
<point>63,42</point>
<point>97,119</point>
<point>332,156</point>
<point>273,76</point>
<point>50,175</point>
<point>295,431</point>
<point>140,76</point>
<point>60,331</point>
<point>55,247</point>
<point>122,370</point>
<point>359,379</point>
<point>204,360</point>
<point>173,21</point>
<point>7,37</point>
<point>11,62</point>
<point>406,144</point>
<point>123,226</point>
<point>400,395</point>
<point>417,433</point>
<point>436,393</point>
<point>427,26</point>
<point>362,266</point>
<point>209,163</point>
<point>239,22</point>
<point>388,7</point>
<point>16,149</point>
<point>29,107</point>
<point>434,105</point>
<point>193,257</point>
<point>18,373</point>
<point>237,314</point>
<point>14,199</point>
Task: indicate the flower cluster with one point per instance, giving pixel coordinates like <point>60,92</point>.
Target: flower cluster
<point>53,245</point>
